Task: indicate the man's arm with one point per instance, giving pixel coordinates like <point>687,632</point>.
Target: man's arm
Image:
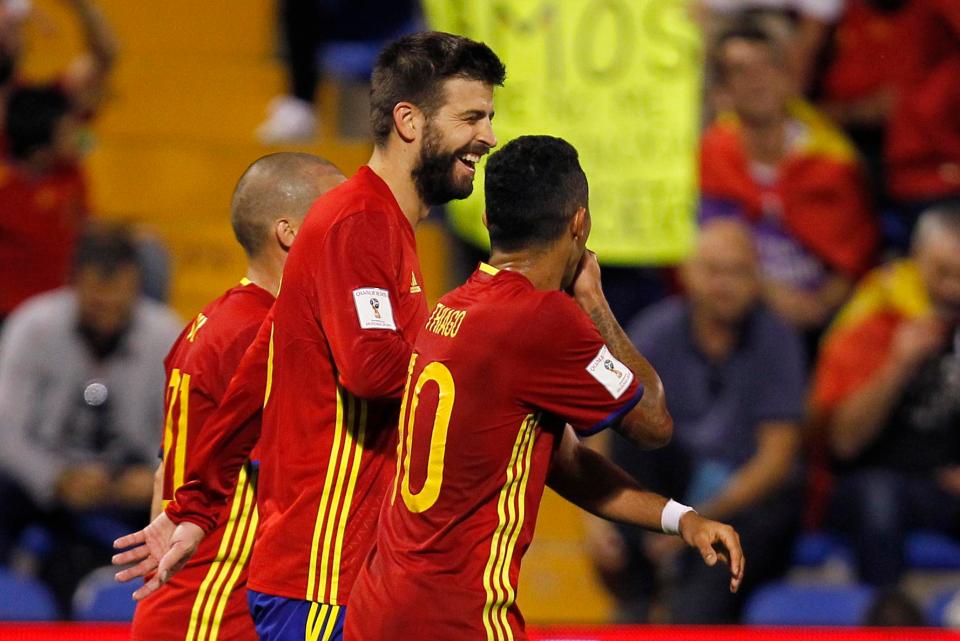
<point>857,421</point>
<point>37,469</point>
<point>370,353</point>
<point>648,425</point>
<point>156,504</point>
<point>777,447</point>
<point>231,431</point>
<point>591,481</point>
<point>86,77</point>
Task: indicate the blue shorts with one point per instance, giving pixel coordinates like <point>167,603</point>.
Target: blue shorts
<point>280,619</point>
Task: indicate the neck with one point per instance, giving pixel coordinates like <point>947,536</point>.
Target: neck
<point>543,268</point>
<point>715,338</point>
<point>766,140</point>
<point>266,270</point>
<point>394,167</point>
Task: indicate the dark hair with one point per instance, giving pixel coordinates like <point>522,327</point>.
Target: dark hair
<point>107,249</point>
<point>32,117</point>
<point>747,29</point>
<point>414,67</point>
<point>534,186</point>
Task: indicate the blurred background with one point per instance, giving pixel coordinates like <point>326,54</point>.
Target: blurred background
<point>775,189</point>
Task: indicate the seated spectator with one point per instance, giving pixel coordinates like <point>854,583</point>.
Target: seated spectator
<point>777,163</point>
<point>923,142</point>
<point>734,375</point>
<point>43,196</point>
<point>79,410</point>
<point>888,392</point>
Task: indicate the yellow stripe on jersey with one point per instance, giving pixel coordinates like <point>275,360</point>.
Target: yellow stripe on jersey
<point>353,449</point>
<point>324,500</point>
<point>500,544</point>
<point>239,563</point>
<point>222,554</point>
<point>216,592</point>
<point>489,269</point>
<point>348,501</point>
<point>520,497</point>
<point>266,394</point>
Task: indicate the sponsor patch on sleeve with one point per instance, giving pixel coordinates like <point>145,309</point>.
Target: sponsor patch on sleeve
<point>609,372</point>
<point>373,308</point>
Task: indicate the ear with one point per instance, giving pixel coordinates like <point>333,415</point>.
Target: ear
<point>578,224</point>
<point>285,232</point>
<point>407,120</point>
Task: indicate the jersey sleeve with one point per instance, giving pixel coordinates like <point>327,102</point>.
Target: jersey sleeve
<point>230,435</point>
<point>357,295</point>
<point>566,370</point>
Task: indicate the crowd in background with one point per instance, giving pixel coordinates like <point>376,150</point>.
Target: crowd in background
<point>810,352</point>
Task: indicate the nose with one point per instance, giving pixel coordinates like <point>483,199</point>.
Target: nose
<point>486,135</point>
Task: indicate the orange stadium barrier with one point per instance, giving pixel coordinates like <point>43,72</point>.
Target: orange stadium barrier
<point>121,632</point>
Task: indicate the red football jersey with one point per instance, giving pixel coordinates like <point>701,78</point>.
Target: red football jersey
<point>341,334</point>
<point>40,221</point>
<point>496,372</point>
<point>207,599</point>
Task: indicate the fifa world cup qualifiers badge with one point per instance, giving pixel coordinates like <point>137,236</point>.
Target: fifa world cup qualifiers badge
<point>609,372</point>
<point>373,308</point>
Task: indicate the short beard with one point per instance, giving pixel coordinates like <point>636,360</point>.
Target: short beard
<point>434,173</point>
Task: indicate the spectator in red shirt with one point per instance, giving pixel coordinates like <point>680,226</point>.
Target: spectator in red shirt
<point>780,165</point>
<point>869,56</point>
<point>43,195</point>
<point>923,145</point>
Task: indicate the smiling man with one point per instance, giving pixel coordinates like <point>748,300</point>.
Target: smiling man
<point>331,359</point>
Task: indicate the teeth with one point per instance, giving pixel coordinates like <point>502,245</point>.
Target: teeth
<point>471,157</point>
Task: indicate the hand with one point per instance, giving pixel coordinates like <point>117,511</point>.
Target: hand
<point>134,486</point>
<point>949,479</point>
<point>605,546</point>
<point>162,546</point>
<point>83,487</point>
<point>916,340</point>
<point>586,288</point>
<point>714,541</point>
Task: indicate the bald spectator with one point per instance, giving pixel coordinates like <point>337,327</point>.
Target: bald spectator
<point>735,374</point>
<point>776,163</point>
<point>888,392</point>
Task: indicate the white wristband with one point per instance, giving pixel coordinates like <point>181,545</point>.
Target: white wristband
<point>670,516</point>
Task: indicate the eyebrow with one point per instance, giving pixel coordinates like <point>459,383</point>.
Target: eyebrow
<point>476,114</point>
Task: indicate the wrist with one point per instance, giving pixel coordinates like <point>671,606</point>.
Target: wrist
<point>671,514</point>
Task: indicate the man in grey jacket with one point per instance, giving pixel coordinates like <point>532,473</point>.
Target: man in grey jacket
<point>80,410</point>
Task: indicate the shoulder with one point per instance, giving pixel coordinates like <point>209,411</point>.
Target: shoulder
<point>659,322</point>
<point>46,314</point>
<point>156,320</point>
<point>770,330</point>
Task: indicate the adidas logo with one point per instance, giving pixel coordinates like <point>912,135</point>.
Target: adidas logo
<point>414,287</point>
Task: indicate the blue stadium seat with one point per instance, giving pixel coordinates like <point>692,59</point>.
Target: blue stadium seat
<point>100,598</point>
<point>25,599</point>
<point>944,609</point>
<point>813,549</point>
<point>932,551</point>
<point>811,605</point>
